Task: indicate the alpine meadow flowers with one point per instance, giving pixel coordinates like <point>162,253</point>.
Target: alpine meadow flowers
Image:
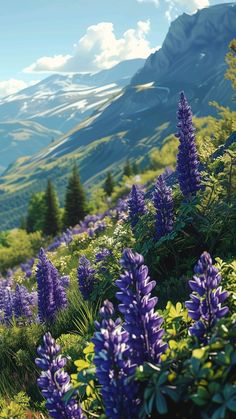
<point>136,205</point>
<point>51,292</point>
<point>86,277</point>
<point>54,382</point>
<point>187,158</point>
<point>205,306</point>
<point>164,205</point>
<point>114,367</point>
<point>137,306</point>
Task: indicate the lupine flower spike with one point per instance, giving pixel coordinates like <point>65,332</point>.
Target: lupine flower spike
<point>137,306</point>
<point>85,277</point>
<point>136,205</point>
<point>163,203</point>
<point>187,158</point>
<point>54,382</point>
<point>205,306</point>
<point>51,293</point>
<point>113,366</point>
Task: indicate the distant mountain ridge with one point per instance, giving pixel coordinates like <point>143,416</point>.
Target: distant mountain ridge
<point>192,59</point>
<point>58,103</point>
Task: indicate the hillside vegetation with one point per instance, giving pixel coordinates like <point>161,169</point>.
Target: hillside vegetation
<point>131,312</point>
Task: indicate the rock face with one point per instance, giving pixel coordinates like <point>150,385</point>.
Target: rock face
<point>197,39</point>
<point>142,115</point>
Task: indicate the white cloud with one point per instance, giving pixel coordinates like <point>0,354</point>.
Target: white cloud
<point>11,86</point>
<point>99,49</point>
<point>188,6</point>
<point>48,62</point>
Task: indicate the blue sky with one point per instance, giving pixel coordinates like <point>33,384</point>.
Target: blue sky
<point>41,37</point>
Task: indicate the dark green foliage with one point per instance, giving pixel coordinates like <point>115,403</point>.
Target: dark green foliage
<point>135,168</point>
<point>231,61</point>
<point>52,215</point>
<point>75,201</point>
<point>36,212</point>
<point>200,381</point>
<point>109,184</point>
<point>127,169</point>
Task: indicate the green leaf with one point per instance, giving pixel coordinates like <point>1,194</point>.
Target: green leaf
<point>231,404</point>
<point>202,393</point>
<point>161,405</point>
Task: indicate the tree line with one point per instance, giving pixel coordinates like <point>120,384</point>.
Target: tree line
<point>45,214</point>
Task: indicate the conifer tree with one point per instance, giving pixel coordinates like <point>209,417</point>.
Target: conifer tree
<point>127,169</point>
<point>52,213</point>
<point>36,212</point>
<point>75,200</point>
<point>109,184</point>
<point>135,168</point>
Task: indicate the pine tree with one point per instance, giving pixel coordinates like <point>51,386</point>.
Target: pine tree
<point>109,184</point>
<point>75,200</point>
<point>127,169</point>
<point>36,212</point>
<point>231,61</point>
<point>52,213</point>
<point>135,168</point>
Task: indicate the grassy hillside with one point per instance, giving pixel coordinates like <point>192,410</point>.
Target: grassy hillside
<point>192,375</point>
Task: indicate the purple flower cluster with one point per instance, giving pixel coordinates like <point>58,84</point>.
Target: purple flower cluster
<point>187,158</point>
<point>102,254</point>
<point>17,303</point>
<point>51,292</point>
<point>205,304</point>
<point>86,277</point>
<point>136,205</point>
<point>164,205</point>
<point>27,267</point>
<point>54,382</point>
<point>114,367</point>
<point>22,302</point>
<point>121,209</point>
<point>8,306</point>
<point>65,238</point>
<point>137,307</point>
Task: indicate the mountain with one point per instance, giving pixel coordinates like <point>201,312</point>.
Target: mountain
<point>23,138</point>
<point>192,59</point>
<point>58,103</point>
<point>62,101</point>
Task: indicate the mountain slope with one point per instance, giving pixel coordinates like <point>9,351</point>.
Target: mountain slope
<point>62,101</point>
<point>192,59</point>
<point>58,103</point>
<point>23,138</point>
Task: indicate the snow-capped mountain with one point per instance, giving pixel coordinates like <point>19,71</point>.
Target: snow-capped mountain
<point>54,106</point>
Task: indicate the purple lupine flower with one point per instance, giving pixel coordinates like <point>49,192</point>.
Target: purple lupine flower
<point>8,306</point>
<point>67,236</point>
<point>27,267</point>
<point>164,205</point>
<point>136,205</point>
<point>21,302</point>
<point>33,298</point>
<point>85,277</point>
<point>59,292</point>
<point>114,367</point>
<point>205,304</point>
<point>187,158</point>
<point>54,382</point>
<point>137,306</point>
<point>65,280</point>
<point>102,254</point>
<point>51,292</point>
<point>46,299</point>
